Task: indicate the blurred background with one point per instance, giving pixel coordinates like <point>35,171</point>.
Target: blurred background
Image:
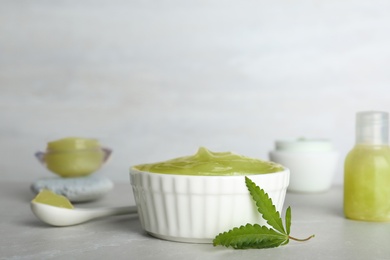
<point>154,80</point>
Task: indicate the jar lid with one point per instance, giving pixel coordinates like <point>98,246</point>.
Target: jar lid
<point>304,145</point>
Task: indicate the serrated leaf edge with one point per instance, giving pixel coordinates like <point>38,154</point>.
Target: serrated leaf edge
<point>265,206</point>
<point>251,236</point>
<point>287,220</point>
<point>282,234</point>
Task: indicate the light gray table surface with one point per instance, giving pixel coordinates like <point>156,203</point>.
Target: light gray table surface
<point>23,236</point>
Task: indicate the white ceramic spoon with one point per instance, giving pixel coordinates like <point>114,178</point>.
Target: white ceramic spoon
<point>62,217</point>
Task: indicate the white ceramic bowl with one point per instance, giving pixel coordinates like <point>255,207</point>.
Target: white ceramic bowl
<point>188,208</point>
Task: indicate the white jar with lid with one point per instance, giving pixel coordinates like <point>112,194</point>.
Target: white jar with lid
<point>312,163</point>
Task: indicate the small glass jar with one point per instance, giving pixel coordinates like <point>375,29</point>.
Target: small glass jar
<point>74,157</point>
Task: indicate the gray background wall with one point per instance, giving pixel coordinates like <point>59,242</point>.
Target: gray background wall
<point>157,79</point>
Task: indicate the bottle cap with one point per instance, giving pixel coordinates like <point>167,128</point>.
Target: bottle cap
<point>372,127</point>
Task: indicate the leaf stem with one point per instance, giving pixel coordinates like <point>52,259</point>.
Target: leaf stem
<point>301,240</point>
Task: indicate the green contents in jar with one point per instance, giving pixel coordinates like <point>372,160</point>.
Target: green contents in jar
<point>366,183</point>
<point>73,157</point>
<point>206,162</point>
<point>72,143</point>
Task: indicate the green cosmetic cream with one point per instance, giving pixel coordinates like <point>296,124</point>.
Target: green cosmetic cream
<point>50,198</point>
<point>205,162</point>
<point>73,157</point>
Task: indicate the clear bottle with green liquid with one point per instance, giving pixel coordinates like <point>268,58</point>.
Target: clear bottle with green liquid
<point>367,170</point>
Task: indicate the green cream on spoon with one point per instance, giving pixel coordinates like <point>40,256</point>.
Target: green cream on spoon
<point>48,197</point>
<point>57,210</point>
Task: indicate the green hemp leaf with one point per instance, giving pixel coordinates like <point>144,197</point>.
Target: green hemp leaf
<point>254,235</point>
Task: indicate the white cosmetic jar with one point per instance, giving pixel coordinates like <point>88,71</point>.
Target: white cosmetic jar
<point>312,163</point>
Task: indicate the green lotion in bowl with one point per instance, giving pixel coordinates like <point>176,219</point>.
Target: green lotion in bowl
<point>206,162</point>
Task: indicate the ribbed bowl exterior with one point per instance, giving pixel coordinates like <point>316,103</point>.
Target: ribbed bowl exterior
<point>189,208</point>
